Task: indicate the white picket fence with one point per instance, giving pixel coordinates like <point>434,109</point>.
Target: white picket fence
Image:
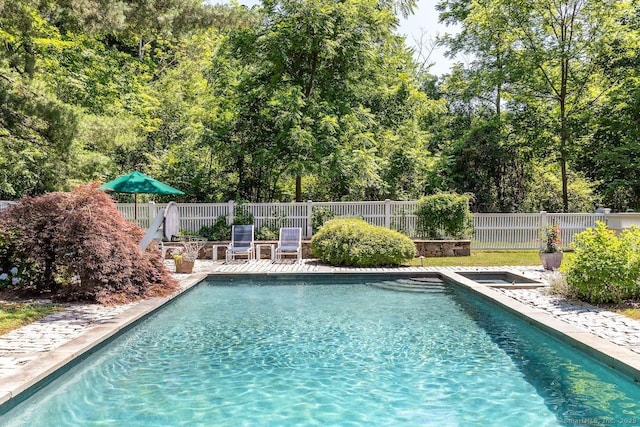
<point>492,230</point>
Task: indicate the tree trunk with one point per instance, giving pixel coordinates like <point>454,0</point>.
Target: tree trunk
<point>307,93</point>
<point>499,87</point>
<point>564,132</point>
<point>298,188</point>
<point>48,281</point>
<point>565,189</point>
<point>30,60</point>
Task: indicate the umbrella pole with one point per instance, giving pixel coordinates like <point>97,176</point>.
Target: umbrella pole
<point>135,207</point>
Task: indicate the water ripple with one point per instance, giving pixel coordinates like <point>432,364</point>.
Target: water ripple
<point>348,355</point>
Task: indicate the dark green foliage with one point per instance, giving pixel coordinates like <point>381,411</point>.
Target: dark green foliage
<point>10,269</point>
<point>319,216</point>
<point>77,246</point>
<point>268,233</point>
<point>485,165</point>
<point>605,267</point>
<point>321,100</point>
<point>270,228</point>
<point>242,215</point>
<point>354,242</point>
<point>308,106</point>
<point>35,140</point>
<point>444,215</point>
<point>610,157</point>
<point>218,231</point>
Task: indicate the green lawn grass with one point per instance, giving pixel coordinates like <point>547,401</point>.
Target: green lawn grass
<point>486,259</point>
<point>15,315</point>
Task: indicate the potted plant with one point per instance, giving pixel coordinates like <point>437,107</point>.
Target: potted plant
<point>551,254</point>
<point>186,256</point>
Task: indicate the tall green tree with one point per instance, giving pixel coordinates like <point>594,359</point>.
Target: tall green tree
<point>552,56</point>
<point>610,157</point>
<point>197,114</point>
<point>561,57</point>
<point>36,134</point>
<point>486,38</point>
<point>84,86</point>
<point>316,75</point>
<point>485,156</point>
<point>36,129</point>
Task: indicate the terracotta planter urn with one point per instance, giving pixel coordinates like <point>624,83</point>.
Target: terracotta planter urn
<point>184,266</point>
<point>551,261</point>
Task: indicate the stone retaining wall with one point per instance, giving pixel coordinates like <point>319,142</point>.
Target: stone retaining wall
<point>425,248</point>
<point>440,248</point>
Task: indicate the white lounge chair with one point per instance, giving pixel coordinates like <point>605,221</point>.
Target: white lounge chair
<point>289,243</point>
<point>241,242</point>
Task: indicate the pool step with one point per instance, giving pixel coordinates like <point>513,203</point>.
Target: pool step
<point>433,280</point>
<point>434,285</point>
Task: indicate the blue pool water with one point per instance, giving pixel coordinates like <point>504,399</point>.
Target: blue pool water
<point>332,351</point>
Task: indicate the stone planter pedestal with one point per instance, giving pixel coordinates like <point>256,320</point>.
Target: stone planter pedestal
<point>551,261</point>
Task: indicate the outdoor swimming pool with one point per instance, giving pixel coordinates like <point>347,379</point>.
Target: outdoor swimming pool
<point>257,350</point>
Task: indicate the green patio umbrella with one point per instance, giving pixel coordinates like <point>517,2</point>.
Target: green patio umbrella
<point>138,183</point>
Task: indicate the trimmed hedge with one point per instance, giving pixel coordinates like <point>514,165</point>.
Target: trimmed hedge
<point>353,242</point>
<point>444,215</point>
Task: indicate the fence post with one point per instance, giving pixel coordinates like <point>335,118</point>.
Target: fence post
<point>151,212</point>
<point>387,213</point>
<point>309,218</point>
<point>543,225</point>
<point>230,212</point>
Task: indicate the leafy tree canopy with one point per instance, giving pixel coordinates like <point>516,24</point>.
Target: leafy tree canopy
<point>319,99</point>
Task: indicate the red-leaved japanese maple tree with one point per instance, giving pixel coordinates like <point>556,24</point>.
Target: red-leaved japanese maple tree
<point>77,246</point>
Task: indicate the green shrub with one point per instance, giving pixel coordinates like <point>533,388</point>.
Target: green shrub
<point>218,231</point>
<point>353,242</point>
<point>268,233</point>
<point>270,227</point>
<point>605,267</point>
<point>444,215</point>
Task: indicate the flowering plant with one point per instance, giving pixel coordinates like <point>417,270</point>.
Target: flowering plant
<point>551,239</point>
<point>180,254</point>
<point>189,250</point>
<point>12,277</point>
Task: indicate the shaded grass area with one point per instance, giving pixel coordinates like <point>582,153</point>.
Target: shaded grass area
<point>487,259</point>
<point>632,313</point>
<point>14,314</point>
